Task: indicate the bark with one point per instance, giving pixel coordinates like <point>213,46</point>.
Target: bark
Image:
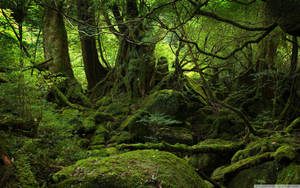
<point>94,71</point>
<point>56,40</point>
<point>135,63</point>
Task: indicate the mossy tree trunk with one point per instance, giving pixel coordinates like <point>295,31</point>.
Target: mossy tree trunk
<point>135,62</point>
<point>56,40</point>
<point>94,71</point>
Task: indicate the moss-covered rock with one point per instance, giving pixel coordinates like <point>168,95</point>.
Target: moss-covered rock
<point>265,173</point>
<point>225,172</point>
<point>143,168</point>
<point>174,135</point>
<point>207,162</point>
<point>289,175</point>
<point>168,102</point>
<point>227,128</point>
<point>262,145</point>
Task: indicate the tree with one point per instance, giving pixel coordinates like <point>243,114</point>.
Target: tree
<point>56,39</point>
<point>135,62</point>
<point>87,30</point>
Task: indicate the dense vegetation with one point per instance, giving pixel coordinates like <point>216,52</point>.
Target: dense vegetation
<point>149,93</point>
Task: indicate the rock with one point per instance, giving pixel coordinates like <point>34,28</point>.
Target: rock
<point>226,128</point>
<point>224,173</point>
<point>142,168</point>
<point>289,175</point>
<point>207,162</point>
<point>167,102</point>
<point>262,145</point>
<point>265,173</point>
<point>146,127</point>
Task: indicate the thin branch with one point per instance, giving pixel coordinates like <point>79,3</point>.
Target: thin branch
<point>225,20</point>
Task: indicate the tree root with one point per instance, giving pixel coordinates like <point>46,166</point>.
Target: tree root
<point>66,101</point>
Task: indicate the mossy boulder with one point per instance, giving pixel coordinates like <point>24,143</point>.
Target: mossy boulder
<point>265,173</point>
<point>168,102</point>
<point>207,162</point>
<point>146,127</point>
<point>224,173</point>
<point>226,127</point>
<point>263,145</point>
<point>289,175</point>
<point>142,168</point>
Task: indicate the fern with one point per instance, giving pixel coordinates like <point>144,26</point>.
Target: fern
<point>158,119</point>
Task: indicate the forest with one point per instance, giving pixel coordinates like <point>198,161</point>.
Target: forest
<point>149,93</point>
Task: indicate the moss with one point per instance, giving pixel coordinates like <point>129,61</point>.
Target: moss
<point>167,102</point>
<point>24,174</point>
<point>295,125</point>
<point>103,152</point>
<point>227,128</point>
<point>265,173</point>
<point>89,125</point>
<point>104,101</point>
<point>210,146</point>
<point>130,121</point>
<point>145,168</point>
<point>117,108</point>
<point>285,152</point>
<point>262,145</point>
<point>122,137</point>
<point>289,175</point>
<point>174,135</point>
<point>207,162</point>
<point>98,139</point>
<point>222,173</point>
<point>84,143</point>
<point>100,117</point>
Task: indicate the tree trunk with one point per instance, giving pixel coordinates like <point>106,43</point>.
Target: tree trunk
<point>56,40</point>
<point>56,48</point>
<point>134,63</point>
<point>94,71</point>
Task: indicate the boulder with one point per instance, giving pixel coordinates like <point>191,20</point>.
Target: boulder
<point>142,168</point>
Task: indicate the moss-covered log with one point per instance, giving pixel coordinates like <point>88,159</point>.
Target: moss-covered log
<point>226,171</point>
<point>217,147</point>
